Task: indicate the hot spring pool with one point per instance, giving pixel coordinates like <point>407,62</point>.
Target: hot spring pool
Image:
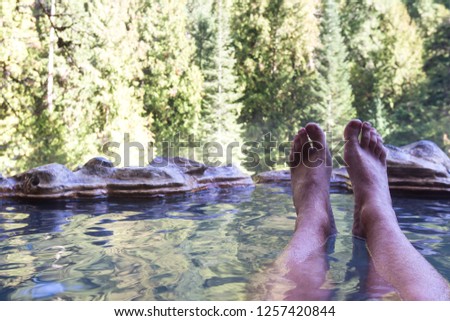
<point>203,246</point>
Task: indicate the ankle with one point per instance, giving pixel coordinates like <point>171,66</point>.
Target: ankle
<point>315,226</point>
<point>310,207</point>
<point>376,214</point>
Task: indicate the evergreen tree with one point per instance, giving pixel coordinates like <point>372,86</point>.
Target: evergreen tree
<point>437,66</point>
<point>332,89</point>
<point>96,73</point>
<point>172,83</point>
<point>26,135</point>
<point>95,97</point>
<point>214,55</point>
<point>93,71</point>
<point>274,44</point>
<point>108,69</point>
<point>427,14</point>
<point>385,52</point>
<point>426,112</point>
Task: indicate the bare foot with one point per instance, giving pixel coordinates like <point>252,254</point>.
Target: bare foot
<point>366,159</point>
<point>394,258</point>
<point>310,163</point>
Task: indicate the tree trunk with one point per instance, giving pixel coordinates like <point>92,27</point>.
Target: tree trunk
<point>51,58</point>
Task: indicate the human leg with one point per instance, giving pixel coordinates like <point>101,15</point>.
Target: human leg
<point>299,273</point>
<point>394,257</point>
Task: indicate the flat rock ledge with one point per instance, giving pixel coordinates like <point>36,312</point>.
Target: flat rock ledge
<point>420,168</point>
<point>99,178</point>
<point>340,181</point>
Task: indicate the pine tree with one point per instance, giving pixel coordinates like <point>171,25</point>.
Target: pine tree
<point>437,68</point>
<point>274,43</point>
<point>332,89</point>
<point>96,97</point>
<point>425,112</point>
<point>427,14</point>
<point>172,83</point>
<point>385,52</point>
<point>210,28</point>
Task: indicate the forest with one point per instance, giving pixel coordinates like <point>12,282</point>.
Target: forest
<point>132,79</point>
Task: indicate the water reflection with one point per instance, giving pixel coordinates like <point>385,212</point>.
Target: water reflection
<point>202,246</point>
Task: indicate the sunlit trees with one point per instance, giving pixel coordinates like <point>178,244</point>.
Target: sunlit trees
<point>385,52</point>
<point>166,70</point>
<point>332,88</point>
<point>274,43</point>
<point>214,55</point>
<point>425,113</point>
<point>171,81</point>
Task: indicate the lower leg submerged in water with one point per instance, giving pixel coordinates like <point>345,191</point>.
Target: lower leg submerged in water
<point>300,271</point>
<point>394,257</point>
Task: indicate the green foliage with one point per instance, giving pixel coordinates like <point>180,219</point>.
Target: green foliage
<point>427,14</point>
<point>332,89</point>
<point>445,3</point>
<point>216,70</point>
<point>274,45</point>
<point>210,27</point>
<point>172,83</point>
<point>26,135</point>
<point>385,50</point>
<point>431,98</point>
<point>94,96</point>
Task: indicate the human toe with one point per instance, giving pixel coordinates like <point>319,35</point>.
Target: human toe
<point>316,135</point>
<point>365,134</point>
<point>373,139</point>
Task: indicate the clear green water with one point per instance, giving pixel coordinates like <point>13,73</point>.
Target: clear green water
<point>204,246</point>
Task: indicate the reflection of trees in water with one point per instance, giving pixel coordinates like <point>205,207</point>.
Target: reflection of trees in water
<point>203,245</point>
<point>179,247</point>
<point>18,223</point>
<point>262,231</point>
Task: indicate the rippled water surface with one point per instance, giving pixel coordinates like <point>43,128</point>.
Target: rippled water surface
<point>203,246</point>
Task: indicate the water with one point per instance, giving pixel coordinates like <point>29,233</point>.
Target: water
<point>203,246</point>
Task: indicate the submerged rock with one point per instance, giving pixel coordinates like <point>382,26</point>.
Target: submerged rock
<point>421,167</point>
<point>99,178</point>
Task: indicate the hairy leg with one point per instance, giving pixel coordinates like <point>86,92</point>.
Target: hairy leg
<point>299,273</point>
<point>371,285</point>
<point>394,258</point>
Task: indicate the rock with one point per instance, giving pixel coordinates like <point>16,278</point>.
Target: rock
<point>418,168</point>
<point>339,178</point>
<point>186,165</point>
<point>429,151</point>
<point>99,178</point>
<point>224,176</point>
<point>279,176</point>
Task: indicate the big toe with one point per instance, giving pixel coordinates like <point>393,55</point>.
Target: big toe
<point>352,130</point>
<point>298,144</point>
<point>319,145</point>
<point>316,135</point>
